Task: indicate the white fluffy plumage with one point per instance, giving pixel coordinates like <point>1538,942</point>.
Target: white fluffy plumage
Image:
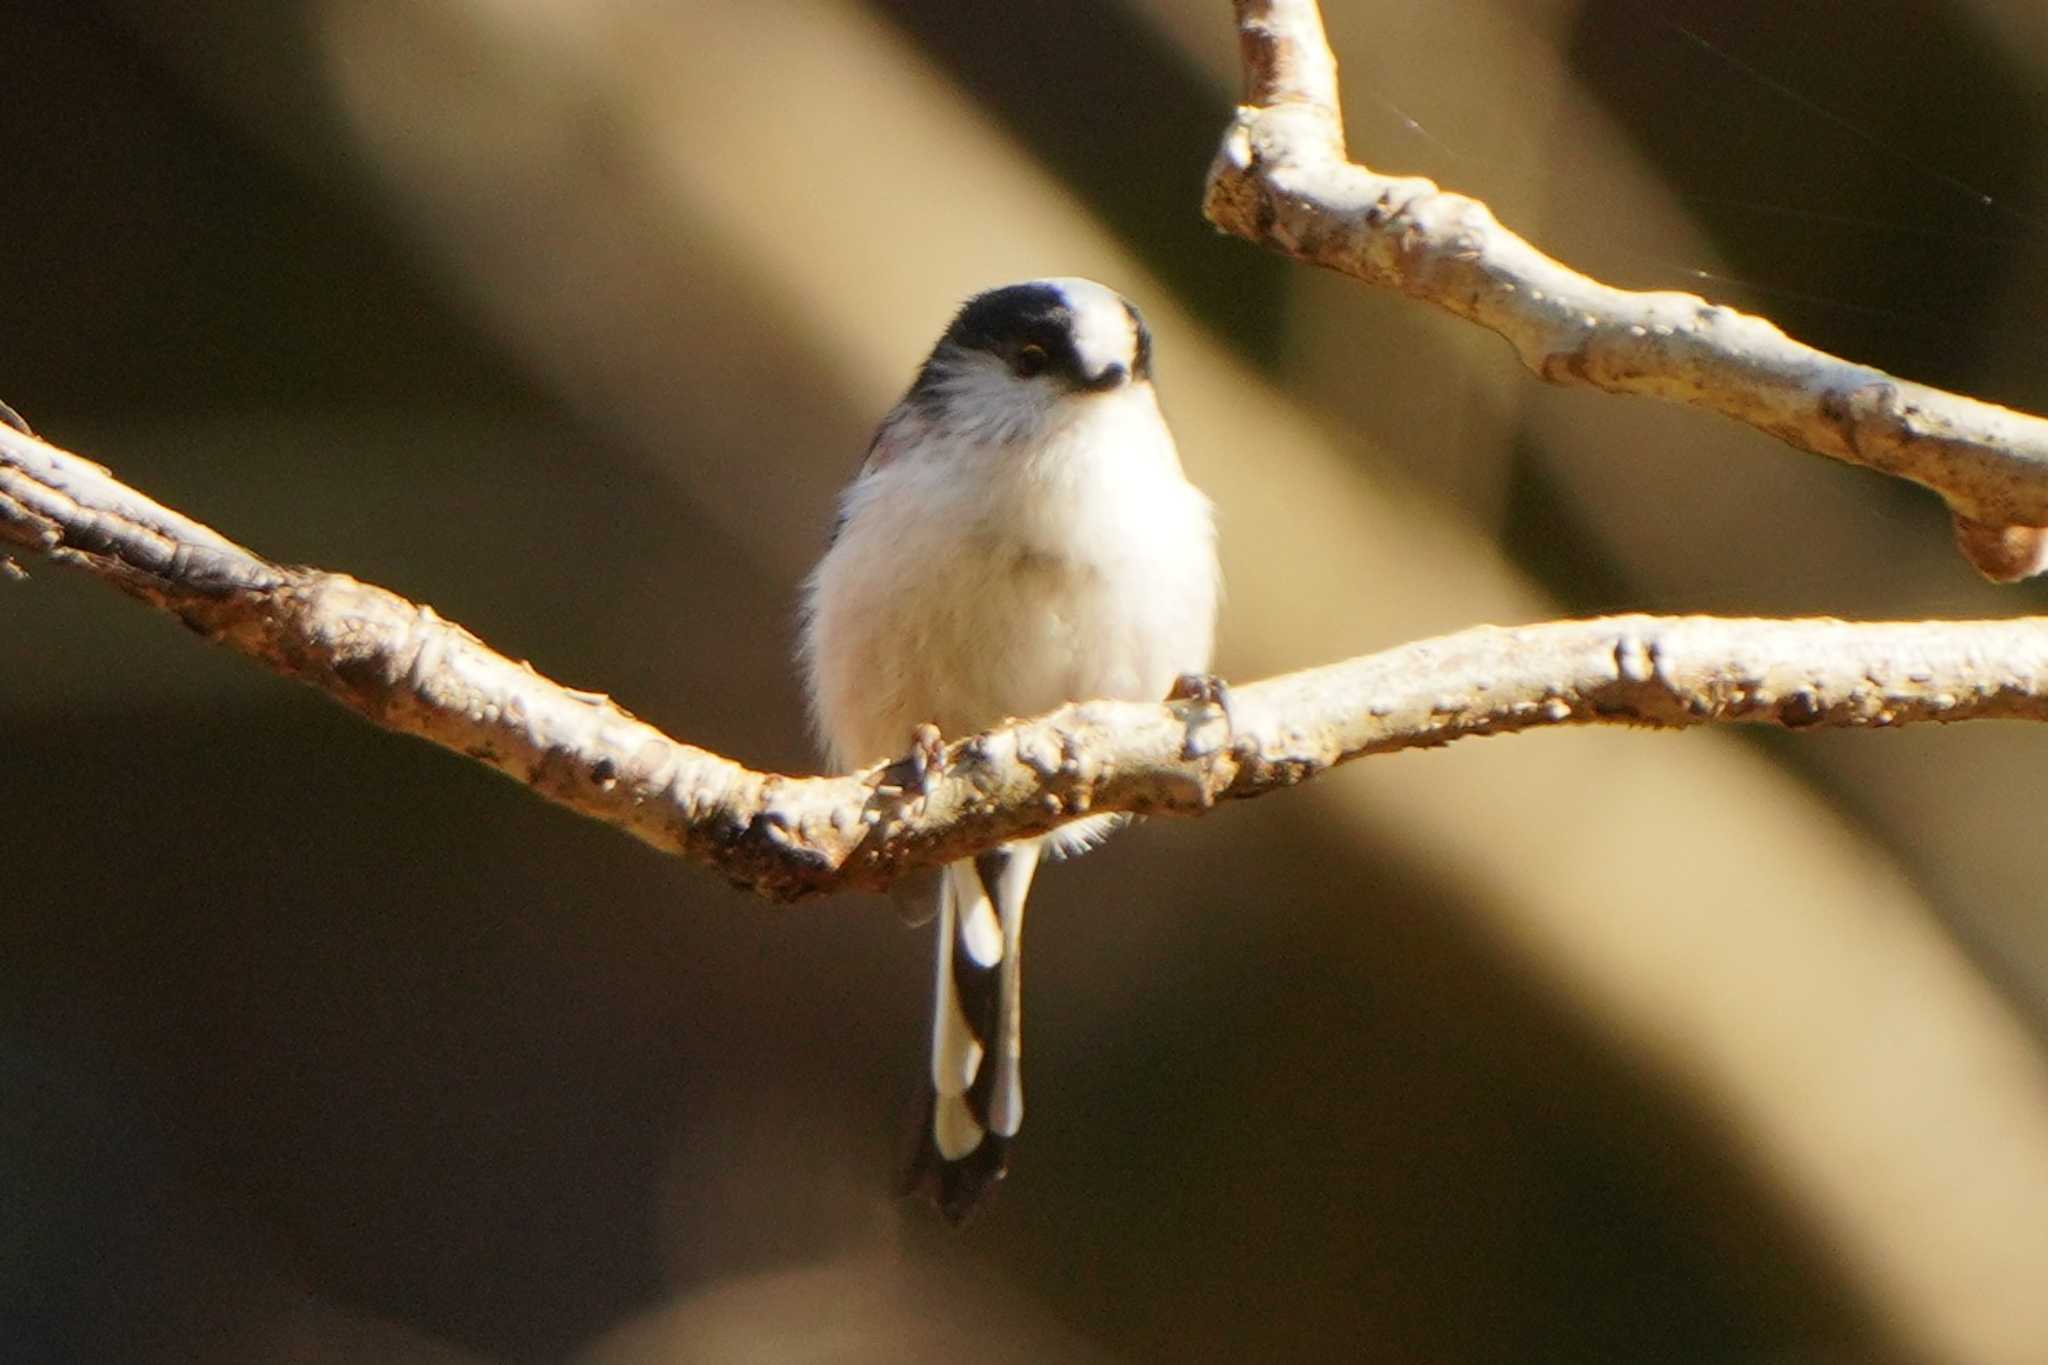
<point>1020,535</point>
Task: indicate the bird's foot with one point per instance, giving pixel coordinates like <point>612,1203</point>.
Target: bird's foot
<point>927,757</point>
<point>1210,690</point>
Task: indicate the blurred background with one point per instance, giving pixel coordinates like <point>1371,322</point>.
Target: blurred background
<point>570,317</point>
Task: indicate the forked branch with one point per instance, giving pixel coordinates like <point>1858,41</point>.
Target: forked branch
<point>1284,180</point>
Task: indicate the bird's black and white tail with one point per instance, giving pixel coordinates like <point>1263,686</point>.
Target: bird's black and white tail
<point>975,1097</point>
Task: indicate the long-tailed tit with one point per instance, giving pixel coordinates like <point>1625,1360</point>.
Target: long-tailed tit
<point>1020,535</point>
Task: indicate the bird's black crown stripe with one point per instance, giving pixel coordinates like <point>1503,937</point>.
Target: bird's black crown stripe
<point>1003,321</point>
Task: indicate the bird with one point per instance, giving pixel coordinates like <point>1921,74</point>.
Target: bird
<point>1020,535</point>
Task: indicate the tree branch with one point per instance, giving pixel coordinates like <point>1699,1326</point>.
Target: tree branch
<point>1283,179</point>
<point>403,667</point>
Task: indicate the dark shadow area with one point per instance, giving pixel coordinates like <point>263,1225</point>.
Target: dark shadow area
<point>1856,221</point>
<point>157,262</point>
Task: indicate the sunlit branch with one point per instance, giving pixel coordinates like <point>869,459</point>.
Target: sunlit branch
<point>1283,179</point>
<point>400,665</point>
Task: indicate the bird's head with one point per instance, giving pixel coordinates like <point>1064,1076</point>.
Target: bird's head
<point>1024,357</point>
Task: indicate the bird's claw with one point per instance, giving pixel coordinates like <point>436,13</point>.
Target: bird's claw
<point>914,773</point>
<point>1210,690</point>
<point>927,757</point>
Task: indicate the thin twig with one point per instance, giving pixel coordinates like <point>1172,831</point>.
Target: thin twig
<point>1283,179</point>
<point>400,665</point>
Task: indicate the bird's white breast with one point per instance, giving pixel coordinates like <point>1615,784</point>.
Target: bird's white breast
<point>974,582</point>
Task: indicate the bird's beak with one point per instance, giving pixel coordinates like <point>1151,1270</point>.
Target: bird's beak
<point>1110,376</point>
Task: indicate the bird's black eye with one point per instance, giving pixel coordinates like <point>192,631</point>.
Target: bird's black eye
<point>1031,359</point>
